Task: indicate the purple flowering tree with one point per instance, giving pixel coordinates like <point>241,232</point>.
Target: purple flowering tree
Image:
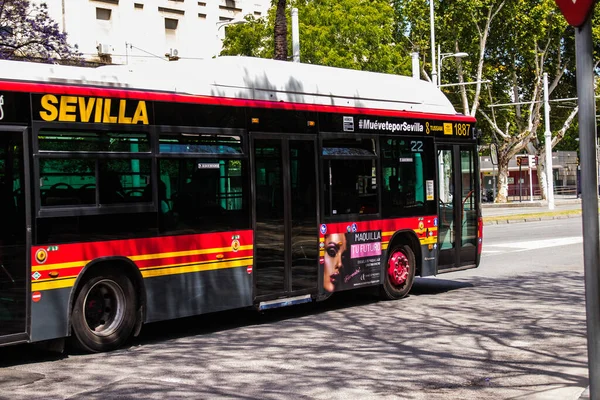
<point>28,33</point>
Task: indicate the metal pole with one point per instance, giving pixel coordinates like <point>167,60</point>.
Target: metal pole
<point>494,180</point>
<point>434,78</point>
<point>295,35</point>
<point>439,67</point>
<point>589,195</point>
<point>416,70</point>
<point>548,136</point>
<point>530,180</point>
<point>520,185</point>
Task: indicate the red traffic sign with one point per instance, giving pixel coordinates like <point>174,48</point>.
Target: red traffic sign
<point>523,160</point>
<point>575,11</point>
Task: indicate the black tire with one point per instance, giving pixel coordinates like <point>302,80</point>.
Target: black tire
<point>399,273</point>
<point>104,315</point>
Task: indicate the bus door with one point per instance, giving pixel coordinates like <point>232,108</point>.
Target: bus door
<point>13,249</point>
<point>286,240</point>
<point>458,206</point>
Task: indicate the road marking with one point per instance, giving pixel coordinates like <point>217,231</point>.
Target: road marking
<point>531,245</point>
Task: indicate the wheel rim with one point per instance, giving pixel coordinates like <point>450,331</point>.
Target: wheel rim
<point>104,307</point>
<point>398,267</point>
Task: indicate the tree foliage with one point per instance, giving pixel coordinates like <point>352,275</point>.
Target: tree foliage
<point>28,33</point>
<point>356,34</point>
<point>511,44</point>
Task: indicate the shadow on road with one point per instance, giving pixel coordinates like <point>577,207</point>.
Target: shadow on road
<point>522,335</point>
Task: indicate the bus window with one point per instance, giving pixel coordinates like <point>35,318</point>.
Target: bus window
<point>207,185</point>
<point>83,141</point>
<point>72,181</point>
<point>206,195</point>
<point>350,176</point>
<point>123,180</point>
<point>406,169</point>
<point>67,181</point>
<point>92,168</point>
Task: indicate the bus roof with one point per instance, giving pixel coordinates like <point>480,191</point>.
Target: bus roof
<point>249,78</point>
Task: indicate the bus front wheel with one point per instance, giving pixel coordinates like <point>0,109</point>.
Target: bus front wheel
<point>104,313</point>
<point>399,272</point>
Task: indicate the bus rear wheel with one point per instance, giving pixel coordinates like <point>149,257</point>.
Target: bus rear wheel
<point>399,272</point>
<point>104,313</point>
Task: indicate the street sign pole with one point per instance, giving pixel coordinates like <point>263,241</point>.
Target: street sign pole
<point>589,195</point>
<point>530,179</point>
<point>548,147</point>
<point>520,183</point>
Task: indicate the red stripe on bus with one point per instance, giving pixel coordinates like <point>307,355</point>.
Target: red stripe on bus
<point>74,252</point>
<point>386,225</point>
<point>217,101</point>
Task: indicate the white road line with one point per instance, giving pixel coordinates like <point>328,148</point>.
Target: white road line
<point>532,244</point>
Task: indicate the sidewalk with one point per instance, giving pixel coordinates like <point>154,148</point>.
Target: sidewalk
<point>527,211</point>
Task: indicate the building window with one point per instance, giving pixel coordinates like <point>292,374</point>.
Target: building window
<point>225,19</point>
<point>203,16</point>
<point>138,5</point>
<point>171,23</point>
<point>201,3</point>
<point>103,14</point>
<point>115,2</point>
<point>257,13</point>
<point>171,10</point>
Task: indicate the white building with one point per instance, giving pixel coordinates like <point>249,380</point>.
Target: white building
<point>134,31</point>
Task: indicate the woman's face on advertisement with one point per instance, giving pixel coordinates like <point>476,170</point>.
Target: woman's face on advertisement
<point>335,246</point>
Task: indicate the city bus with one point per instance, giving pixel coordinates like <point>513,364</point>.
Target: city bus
<point>136,194</point>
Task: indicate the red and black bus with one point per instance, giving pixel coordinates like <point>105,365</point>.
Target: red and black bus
<point>137,194</point>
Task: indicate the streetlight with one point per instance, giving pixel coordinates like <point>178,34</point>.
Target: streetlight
<point>221,24</point>
<point>434,78</point>
<point>441,57</point>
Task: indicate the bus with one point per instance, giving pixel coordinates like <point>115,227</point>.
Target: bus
<point>136,194</point>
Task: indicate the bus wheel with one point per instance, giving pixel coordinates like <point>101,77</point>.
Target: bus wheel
<point>104,313</point>
<point>399,272</point>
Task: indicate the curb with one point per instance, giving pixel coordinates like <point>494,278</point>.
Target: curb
<point>514,219</point>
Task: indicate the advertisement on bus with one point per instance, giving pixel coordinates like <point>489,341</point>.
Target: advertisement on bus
<point>351,259</point>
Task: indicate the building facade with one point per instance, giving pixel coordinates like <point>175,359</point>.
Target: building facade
<point>140,31</point>
<point>522,184</point>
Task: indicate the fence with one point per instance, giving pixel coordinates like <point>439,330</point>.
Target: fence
<point>516,194</point>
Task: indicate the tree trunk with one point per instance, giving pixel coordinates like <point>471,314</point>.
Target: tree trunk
<point>541,173</point>
<point>280,32</point>
<point>502,195</point>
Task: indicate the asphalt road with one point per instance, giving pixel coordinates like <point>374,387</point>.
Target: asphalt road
<point>513,328</point>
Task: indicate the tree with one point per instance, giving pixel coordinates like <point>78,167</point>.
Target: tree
<point>330,35</point>
<point>511,44</point>
<point>251,39</point>
<point>280,32</point>
<point>28,33</point>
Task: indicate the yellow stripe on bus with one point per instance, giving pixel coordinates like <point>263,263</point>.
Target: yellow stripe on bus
<point>175,270</point>
<point>170,265</point>
<point>58,284</point>
<point>187,253</point>
<point>159,271</point>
